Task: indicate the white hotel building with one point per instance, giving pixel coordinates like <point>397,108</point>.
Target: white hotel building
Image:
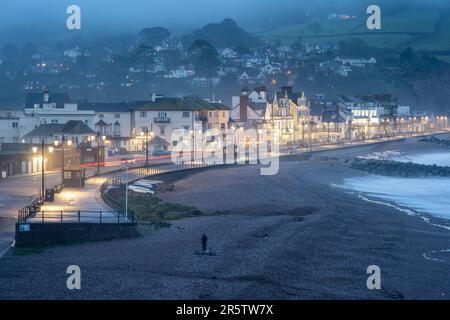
<point>123,124</point>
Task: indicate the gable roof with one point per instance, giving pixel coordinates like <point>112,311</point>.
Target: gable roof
<point>189,103</point>
<point>220,106</point>
<point>101,123</point>
<point>104,107</point>
<point>72,127</point>
<point>158,141</point>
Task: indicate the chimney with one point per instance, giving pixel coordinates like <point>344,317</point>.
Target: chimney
<point>243,103</point>
<point>262,92</point>
<point>153,97</point>
<point>287,90</point>
<point>46,96</point>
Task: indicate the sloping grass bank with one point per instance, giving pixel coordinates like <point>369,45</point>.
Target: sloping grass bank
<point>151,209</point>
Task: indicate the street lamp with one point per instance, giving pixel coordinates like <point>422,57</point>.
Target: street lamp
<point>69,143</point>
<point>146,145</point>
<point>258,142</point>
<point>200,133</point>
<point>192,133</point>
<point>328,131</point>
<point>35,150</point>
<point>99,138</point>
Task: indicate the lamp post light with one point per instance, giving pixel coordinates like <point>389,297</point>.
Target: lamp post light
<point>258,142</point>
<point>303,132</point>
<point>192,132</point>
<point>69,142</point>
<point>200,132</point>
<point>35,150</point>
<point>146,147</point>
<point>99,139</point>
<point>233,129</point>
<point>328,132</point>
<point>56,142</point>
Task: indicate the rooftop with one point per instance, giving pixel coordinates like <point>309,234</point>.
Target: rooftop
<point>189,103</point>
<point>104,107</point>
<point>72,127</point>
<point>38,98</point>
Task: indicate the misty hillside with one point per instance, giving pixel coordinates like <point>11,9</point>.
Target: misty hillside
<point>422,30</point>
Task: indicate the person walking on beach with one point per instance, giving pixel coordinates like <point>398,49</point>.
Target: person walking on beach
<point>204,242</point>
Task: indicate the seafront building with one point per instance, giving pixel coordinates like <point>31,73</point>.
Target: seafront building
<point>303,122</point>
<point>116,128</point>
<point>137,126</point>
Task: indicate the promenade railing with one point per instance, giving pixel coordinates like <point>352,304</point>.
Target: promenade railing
<point>80,216</point>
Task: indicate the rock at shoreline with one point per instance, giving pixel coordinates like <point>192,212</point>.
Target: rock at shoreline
<point>398,169</point>
<point>435,140</point>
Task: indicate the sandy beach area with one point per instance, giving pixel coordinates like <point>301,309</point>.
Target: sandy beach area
<point>288,236</point>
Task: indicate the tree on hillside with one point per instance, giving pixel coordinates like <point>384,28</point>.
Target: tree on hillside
<point>407,54</point>
<point>154,36</point>
<point>222,35</point>
<point>315,28</point>
<point>204,57</point>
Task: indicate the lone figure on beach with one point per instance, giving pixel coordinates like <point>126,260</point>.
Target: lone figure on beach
<point>204,242</point>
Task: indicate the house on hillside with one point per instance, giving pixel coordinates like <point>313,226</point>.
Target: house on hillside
<point>356,61</point>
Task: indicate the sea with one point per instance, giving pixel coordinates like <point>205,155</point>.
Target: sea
<point>428,196</point>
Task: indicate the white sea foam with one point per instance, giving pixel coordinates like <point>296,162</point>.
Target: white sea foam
<point>385,155</point>
<point>429,255</point>
<point>421,197</point>
<point>438,158</point>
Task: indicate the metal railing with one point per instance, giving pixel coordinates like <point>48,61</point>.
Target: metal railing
<point>30,209</point>
<point>150,171</point>
<point>79,216</point>
<point>34,206</point>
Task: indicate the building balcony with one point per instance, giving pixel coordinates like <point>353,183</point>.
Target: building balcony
<point>161,120</point>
